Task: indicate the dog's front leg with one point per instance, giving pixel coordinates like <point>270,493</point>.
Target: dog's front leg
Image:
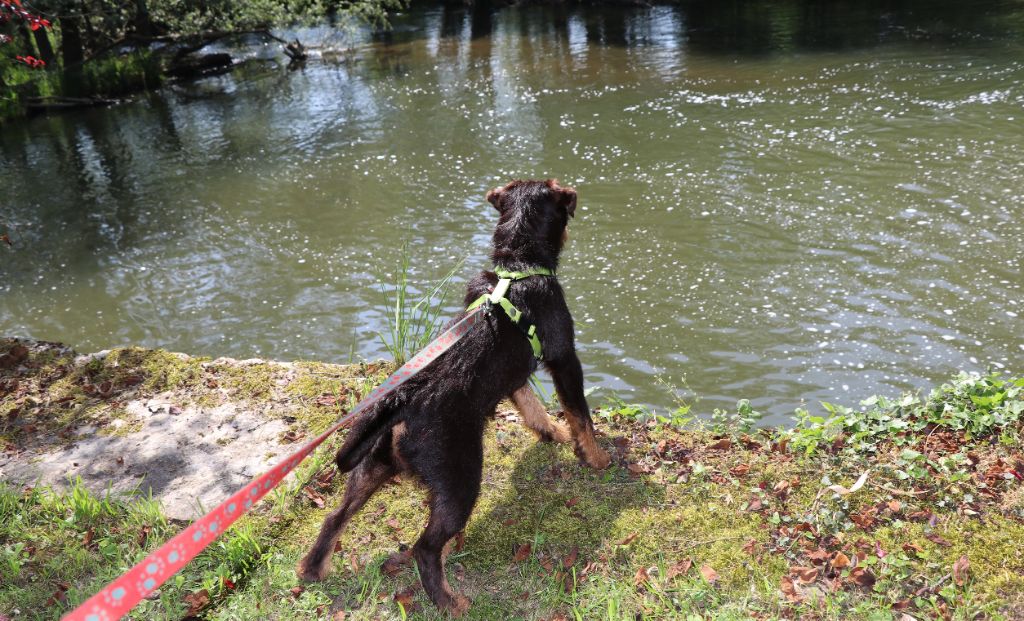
<point>568,376</point>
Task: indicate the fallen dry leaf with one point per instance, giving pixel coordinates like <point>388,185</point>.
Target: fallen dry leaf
<point>960,570</point>
<point>570,559</point>
<point>740,470</point>
<point>859,483</point>
<point>840,561</point>
<point>326,400</point>
<point>912,548</point>
<point>879,552</point>
<point>13,357</point>
<point>720,445</point>
<point>522,553</point>
<point>636,469</point>
<point>404,599</point>
<point>568,582</point>
<point>862,577</point>
<point>59,596</point>
<point>144,531</point>
<point>679,569</point>
<point>819,556</point>
<point>396,564</point>
<point>788,589</point>
<point>629,539</point>
<point>315,496</point>
<point>196,602</point>
<point>572,502</point>
<point>865,519</point>
<point>296,591</point>
<point>641,577</point>
<point>750,546</point>
<point>325,477</point>
<point>806,575</point>
<point>709,574</point>
<point>935,538</point>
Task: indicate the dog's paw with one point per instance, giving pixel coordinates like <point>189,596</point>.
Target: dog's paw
<point>557,432</point>
<point>458,606</point>
<point>308,573</point>
<point>597,458</point>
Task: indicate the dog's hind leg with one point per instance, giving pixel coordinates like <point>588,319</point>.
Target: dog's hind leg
<point>367,477</point>
<point>536,418</point>
<point>454,484</point>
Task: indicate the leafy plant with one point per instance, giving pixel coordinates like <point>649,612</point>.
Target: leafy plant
<point>615,407</point>
<point>413,318</point>
<point>741,421</point>
<point>975,405</point>
<point>13,558</point>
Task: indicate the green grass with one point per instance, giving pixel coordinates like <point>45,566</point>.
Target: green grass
<point>755,510</point>
<point>414,316</point>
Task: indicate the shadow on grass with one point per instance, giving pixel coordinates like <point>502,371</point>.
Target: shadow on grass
<point>540,497</point>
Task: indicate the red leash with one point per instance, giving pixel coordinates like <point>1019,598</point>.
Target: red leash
<point>120,596</point>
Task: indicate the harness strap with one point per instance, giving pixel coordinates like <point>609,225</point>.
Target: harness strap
<point>533,271</point>
<point>497,296</point>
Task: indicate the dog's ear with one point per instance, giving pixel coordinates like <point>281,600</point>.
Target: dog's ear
<point>494,197</point>
<point>567,200</point>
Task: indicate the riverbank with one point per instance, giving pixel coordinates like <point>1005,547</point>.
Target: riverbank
<point>100,82</point>
<point>906,508</point>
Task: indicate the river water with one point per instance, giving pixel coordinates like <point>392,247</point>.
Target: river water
<point>788,202</point>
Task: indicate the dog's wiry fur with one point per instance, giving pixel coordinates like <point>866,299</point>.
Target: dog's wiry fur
<point>432,426</point>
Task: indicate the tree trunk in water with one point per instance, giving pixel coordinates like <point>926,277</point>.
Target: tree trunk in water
<point>43,44</point>
<point>71,49</point>
<point>143,25</point>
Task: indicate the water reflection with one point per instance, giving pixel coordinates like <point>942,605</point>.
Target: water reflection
<point>785,201</point>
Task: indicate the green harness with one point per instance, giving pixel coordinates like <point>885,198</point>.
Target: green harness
<point>498,297</point>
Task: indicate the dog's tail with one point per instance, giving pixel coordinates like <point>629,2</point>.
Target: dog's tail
<point>364,434</point>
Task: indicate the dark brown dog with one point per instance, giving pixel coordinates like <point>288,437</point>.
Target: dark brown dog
<point>432,426</point>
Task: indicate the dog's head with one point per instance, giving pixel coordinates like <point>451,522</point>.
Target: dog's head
<point>533,219</point>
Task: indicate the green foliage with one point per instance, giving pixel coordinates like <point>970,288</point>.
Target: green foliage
<point>100,24</point>
<point>414,317</point>
<point>741,421</point>
<point>192,16</point>
<point>978,406</point>
<point>104,77</point>
<point>615,408</point>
